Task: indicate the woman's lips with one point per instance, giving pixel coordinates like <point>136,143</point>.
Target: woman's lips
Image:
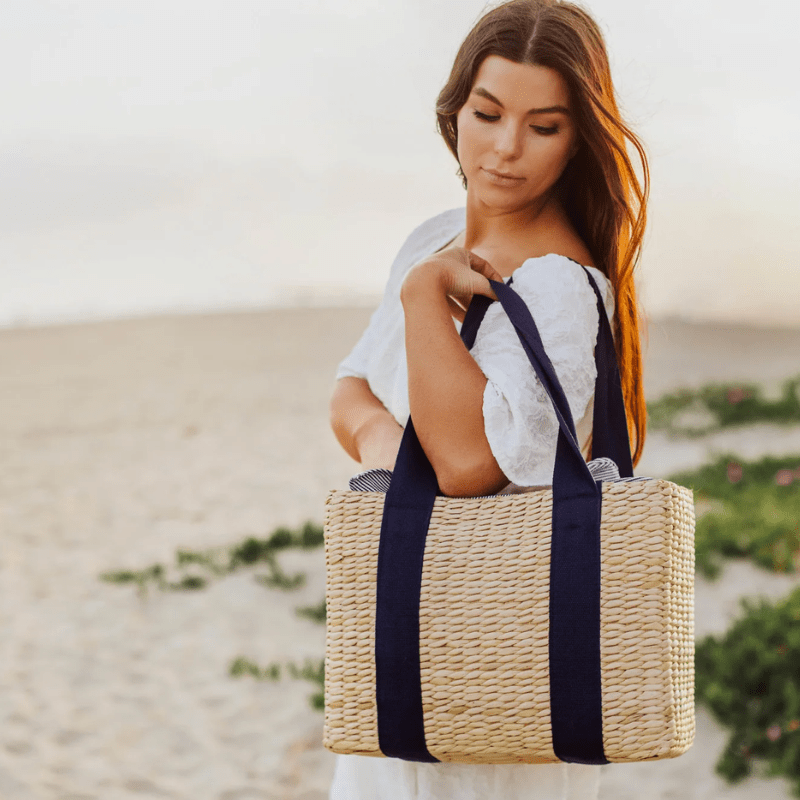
<point>502,179</point>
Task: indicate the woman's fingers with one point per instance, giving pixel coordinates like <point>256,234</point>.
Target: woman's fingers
<point>469,275</point>
<point>456,310</point>
<point>480,282</point>
<point>467,283</point>
<point>482,266</point>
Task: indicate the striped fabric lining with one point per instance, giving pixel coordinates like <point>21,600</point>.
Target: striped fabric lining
<point>377,480</point>
<point>373,480</point>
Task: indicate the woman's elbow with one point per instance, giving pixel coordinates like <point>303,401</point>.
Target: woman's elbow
<point>466,480</point>
<point>336,413</point>
<point>341,416</point>
<point>336,407</point>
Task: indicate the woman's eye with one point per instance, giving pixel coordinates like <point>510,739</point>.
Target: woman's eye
<point>544,131</point>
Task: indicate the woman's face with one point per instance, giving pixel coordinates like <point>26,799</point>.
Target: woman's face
<point>515,133</point>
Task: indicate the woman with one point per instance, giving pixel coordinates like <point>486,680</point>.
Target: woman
<point>530,115</point>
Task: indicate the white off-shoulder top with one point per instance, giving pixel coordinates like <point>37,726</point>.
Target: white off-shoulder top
<point>520,423</point>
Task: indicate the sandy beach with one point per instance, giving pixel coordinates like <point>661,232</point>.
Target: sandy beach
<point>124,441</point>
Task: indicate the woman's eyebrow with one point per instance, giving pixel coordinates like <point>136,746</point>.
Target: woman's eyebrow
<point>479,90</point>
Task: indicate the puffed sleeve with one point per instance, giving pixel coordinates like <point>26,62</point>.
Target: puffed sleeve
<point>356,363</point>
<point>385,325</point>
<point>519,420</point>
<point>376,335</point>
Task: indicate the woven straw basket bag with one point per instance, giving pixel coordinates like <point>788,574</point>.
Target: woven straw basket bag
<point>554,625</point>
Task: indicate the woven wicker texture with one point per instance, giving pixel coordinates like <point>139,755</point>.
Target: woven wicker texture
<point>484,624</point>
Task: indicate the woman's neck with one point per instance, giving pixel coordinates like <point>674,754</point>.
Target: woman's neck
<point>506,238</point>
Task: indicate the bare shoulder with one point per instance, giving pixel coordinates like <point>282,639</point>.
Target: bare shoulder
<point>564,241</point>
<point>557,235</point>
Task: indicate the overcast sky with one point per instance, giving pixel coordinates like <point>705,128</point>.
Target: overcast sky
<point>179,155</point>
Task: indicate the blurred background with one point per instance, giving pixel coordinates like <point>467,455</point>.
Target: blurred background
<point>161,595</point>
<point>207,155</point>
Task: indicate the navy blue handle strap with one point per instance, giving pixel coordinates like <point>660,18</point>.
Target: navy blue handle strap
<point>574,635</point>
<point>610,428</point>
<point>576,702</point>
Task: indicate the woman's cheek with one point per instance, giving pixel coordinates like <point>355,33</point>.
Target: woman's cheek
<point>467,143</point>
<point>559,157</point>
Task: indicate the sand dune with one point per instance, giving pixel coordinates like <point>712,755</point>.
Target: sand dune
<point>122,441</point>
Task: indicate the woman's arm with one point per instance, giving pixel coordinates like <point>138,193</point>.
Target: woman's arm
<point>363,425</point>
<point>445,385</point>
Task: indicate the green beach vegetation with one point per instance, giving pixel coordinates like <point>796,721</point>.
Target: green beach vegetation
<point>194,569</point>
<point>312,670</point>
<point>751,510</point>
<point>716,406</point>
<point>748,677</point>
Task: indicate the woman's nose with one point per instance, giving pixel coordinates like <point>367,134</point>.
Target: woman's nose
<point>508,142</point>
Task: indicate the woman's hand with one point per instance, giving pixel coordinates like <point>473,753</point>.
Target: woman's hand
<point>445,384</point>
<point>457,273</point>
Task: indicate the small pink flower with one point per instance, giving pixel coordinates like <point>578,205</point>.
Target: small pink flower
<point>784,477</point>
<point>774,733</point>
<point>737,394</point>
<point>734,472</point>
<point>797,473</point>
<point>793,725</point>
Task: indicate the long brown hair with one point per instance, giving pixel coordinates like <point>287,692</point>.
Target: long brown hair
<point>600,190</point>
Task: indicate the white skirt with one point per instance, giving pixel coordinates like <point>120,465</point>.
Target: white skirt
<point>366,778</point>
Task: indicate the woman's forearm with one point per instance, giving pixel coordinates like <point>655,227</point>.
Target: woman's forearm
<point>445,392</point>
<point>362,424</point>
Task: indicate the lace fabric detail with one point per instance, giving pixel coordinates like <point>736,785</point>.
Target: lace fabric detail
<point>519,420</point>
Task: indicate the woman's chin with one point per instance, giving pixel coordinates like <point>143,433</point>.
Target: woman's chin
<point>501,200</point>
